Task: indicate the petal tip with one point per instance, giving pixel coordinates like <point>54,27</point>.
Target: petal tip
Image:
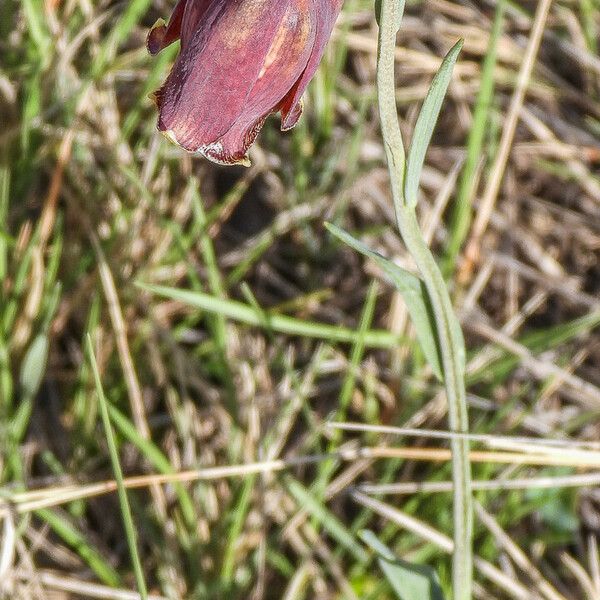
<point>216,153</point>
<point>156,36</point>
<point>290,119</point>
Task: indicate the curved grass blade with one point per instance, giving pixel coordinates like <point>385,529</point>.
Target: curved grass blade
<point>272,321</point>
<point>334,527</point>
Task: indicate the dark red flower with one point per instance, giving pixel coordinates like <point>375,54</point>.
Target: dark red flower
<point>240,61</point>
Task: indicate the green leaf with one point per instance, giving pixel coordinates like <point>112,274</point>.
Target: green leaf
<point>426,123</point>
<point>460,223</point>
<point>64,529</point>
<point>121,31</point>
<point>409,581</point>
<point>414,293</point>
<point>154,455</point>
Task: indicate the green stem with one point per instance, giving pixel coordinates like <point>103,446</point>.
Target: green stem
<point>449,335</point>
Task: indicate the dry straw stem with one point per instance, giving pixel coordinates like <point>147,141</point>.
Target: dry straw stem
<point>531,455</point>
<point>585,392</point>
<point>517,555</point>
<point>524,483</point>
<point>508,584</point>
<point>514,443</point>
<point>590,587</point>
<point>60,582</point>
<point>131,379</point>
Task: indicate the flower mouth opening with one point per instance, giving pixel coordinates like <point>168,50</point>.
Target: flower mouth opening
<point>215,152</point>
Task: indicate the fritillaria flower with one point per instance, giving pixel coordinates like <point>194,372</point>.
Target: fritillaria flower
<point>240,61</point>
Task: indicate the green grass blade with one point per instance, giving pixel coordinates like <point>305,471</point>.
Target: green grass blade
<point>151,84</point>
<point>328,466</point>
<point>326,518</point>
<point>542,340</point>
<point>122,492</point>
<point>76,540</point>
<point>374,338</point>
<point>239,515</point>
<point>215,282</point>
<point>4,236</point>
<point>34,367</point>
<point>155,456</point>
<point>461,217</point>
<point>34,15</point>
<point>357,353</point>
<point>123,27</point>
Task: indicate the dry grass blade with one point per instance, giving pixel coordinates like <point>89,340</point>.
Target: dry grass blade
<point>545,588</point>
<point>24,502</point>
<point>503,441</point>
<point>55,582</point>
<point>513,588</point>
<point>497,172</point>
<point>502,484</point>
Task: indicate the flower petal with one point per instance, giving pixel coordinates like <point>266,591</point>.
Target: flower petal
<point>325,15</point>
<point>285,62</point>
<point>223,52</point>
<point>161,35</point>
<point>232,148</point>
<point>195,10</point>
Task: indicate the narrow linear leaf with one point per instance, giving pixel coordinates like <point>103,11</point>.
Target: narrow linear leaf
<point>413,292</point>
<point>5,238</point>
<point>121,30</point>
<point>426,123</point>
<point>130,532</point>
<point>63,528</point>
<point>239,515</point>
<point>409,581</point>
<point>461,217</point>
<point>272,321</point>
<point>327,519</point>
<point>34,16</point>
<point>155,456</point>
<point>542,340</point>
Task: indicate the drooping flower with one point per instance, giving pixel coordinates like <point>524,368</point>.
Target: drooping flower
<point>240,61</point>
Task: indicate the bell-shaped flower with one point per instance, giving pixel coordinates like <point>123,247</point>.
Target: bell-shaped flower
<point>240,61</point>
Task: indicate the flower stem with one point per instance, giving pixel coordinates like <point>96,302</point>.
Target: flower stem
<point>450,339</point>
